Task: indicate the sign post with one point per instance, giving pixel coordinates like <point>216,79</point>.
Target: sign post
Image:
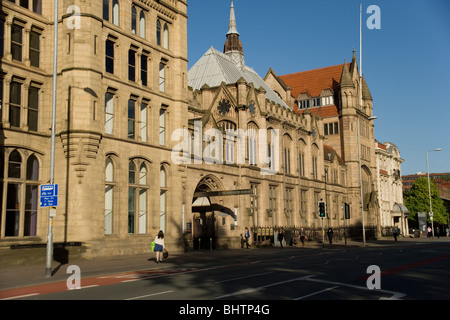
<point>49,199</point>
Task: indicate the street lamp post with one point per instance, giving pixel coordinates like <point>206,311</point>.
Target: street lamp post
<point>429,190</point>
<point>360,178</point>
<point>49,254</point>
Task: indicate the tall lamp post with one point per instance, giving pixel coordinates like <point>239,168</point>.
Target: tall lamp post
<point>429,190</point>
<point>49,253</point>
<point>360,178</point>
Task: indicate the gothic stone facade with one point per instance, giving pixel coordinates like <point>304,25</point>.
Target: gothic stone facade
<point>123,92</point>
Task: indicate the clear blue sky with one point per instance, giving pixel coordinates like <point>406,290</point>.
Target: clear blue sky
<point>406,63</point>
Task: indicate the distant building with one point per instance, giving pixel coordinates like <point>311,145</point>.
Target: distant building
<point>390,197</point>
<point>442,181</point>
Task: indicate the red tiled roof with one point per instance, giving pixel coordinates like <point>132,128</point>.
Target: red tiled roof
<point>314,81</point>
<point>324,112</point>
<point>381,146</point>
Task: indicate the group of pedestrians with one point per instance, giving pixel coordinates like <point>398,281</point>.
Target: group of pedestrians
<point>281,237</point>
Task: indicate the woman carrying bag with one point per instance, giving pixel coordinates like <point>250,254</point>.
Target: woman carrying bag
<point>159,246</point>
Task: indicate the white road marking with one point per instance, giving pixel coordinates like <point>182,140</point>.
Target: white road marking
<point>22,296</point>
<point>314,293</point>
<point>244,277</point>
<point>150,295</point>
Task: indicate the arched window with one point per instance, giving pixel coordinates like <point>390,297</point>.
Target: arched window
<point>162,198</point>
<point>133,19</point>
<point>273,145</point>
<point>301,157</point>
<point>109,196</point>
<point>137,196</point>
<point>166,37</point>
<point>229,130</point>
<point>142,24</point>
<point>14,165</point>
<point>158,32</point>
<point>21,186</point>
<point>252,146</point>
<point>287,147</point>
<point>143,174</point>
<point>116,12</point>
<point>32,168</point>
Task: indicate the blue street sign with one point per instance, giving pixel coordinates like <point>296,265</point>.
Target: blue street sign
<point>49,195</point>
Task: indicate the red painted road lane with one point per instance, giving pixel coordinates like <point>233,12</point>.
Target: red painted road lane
<point>409,266</point>
<point>54,287</point>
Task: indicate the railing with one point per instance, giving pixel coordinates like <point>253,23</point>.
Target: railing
<point>259,235</point>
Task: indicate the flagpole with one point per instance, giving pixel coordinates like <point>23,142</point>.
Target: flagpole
<point>357,122</point>
<point>360,55</point>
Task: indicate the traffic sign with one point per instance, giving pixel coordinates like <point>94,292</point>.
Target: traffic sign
<point>49,195</point>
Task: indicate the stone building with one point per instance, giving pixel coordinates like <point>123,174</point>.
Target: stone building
<point>143,144</point>
<point>121,88</point>
<point>392,211</point>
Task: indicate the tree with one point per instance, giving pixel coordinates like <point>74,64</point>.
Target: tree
<point>416,199</point>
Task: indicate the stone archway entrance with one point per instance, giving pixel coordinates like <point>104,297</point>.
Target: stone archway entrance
<point>208,204</point>
<point>203,215</point>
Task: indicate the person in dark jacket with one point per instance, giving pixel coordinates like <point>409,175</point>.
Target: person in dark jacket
<point>330,235</point>
<point>281,237</point>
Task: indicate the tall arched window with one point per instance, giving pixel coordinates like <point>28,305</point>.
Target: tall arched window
<point>137,196</point>
<point>22,184</point>
<point>162,198</point>
<point>301,157</point>
<point>142,24</point>
<point>109,195</point>
<point>142,199</point>
<point>252,134</point>
<point>131,196</point>
<point>116,12</point>
<point>287,146</point>
<point>166,37</point>
<point>31,196</point>
<point>133,20</point>
<point>158,32</point>
<point>229,130</point>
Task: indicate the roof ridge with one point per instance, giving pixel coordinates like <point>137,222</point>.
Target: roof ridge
<point>294,73</point>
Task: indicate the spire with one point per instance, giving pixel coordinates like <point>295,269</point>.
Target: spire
<point>233,46</point>
<point>232,27</point>
<point>354,64</point>
<point>365,90</point>
<point>346,78</point>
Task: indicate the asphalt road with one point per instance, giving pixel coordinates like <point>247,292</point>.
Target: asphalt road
<point>416,271</point>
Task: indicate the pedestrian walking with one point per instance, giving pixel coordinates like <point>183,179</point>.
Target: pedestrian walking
<point>330,235</point>
<point>437,231</point>
<point>429,232</point>
<point>281,237</point>
<point>159,246</point>
<point>302,236</point>
<point>247,237</point>
<point>395,233</point>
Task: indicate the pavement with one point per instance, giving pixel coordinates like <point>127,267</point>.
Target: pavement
<point>34,274</point>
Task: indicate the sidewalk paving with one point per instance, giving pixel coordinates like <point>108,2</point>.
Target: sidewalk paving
<point>34,274</point>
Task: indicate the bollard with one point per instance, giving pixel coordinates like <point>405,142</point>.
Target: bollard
<point>210,244</point>
<point>199,243</point>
